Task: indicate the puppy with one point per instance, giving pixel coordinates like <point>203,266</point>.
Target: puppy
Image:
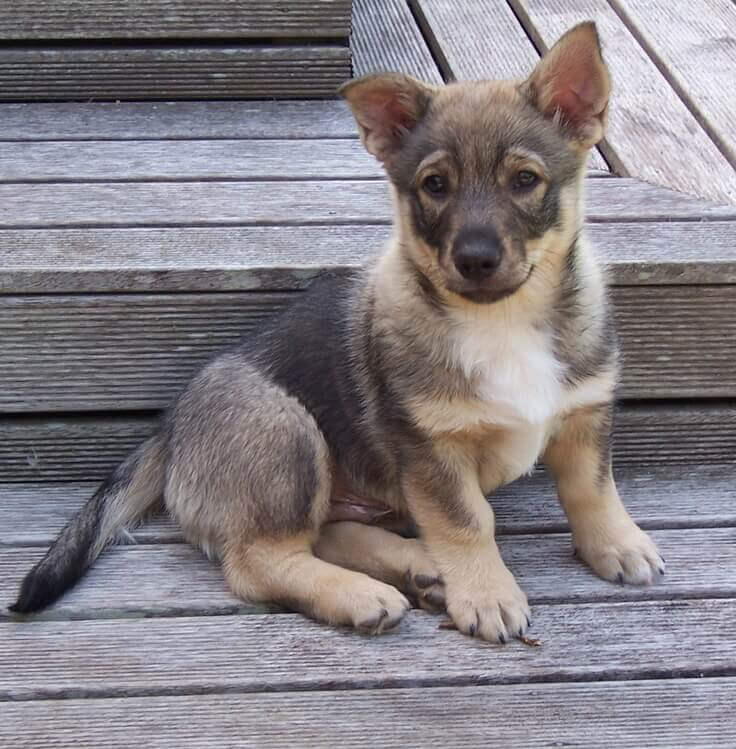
<point>480,341</point>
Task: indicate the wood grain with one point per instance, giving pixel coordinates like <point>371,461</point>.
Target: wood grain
<point>173,19</point>
<point>109,73</point>
<point>87,448</point>
<point>482,40</point>
<point>694,50</point>
<point>233,258</point>
<point>176,579</point>
<point>114,352</point>
<point>630,715</point>
<point>385,37</point>
<point>182,160</point>
<point>306,202</point>
<point>264,653</point>
<point>35,121</point>
<point>648,122</point>
<point>687,496</point>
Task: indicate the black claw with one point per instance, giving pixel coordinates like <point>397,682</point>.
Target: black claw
<point>433,598</point>
<point>575,551</point>
<point>502,639</point>
<point>471,630</point>
<point>521,631</point>
<point>664,561</point>
<point>620,578</point>
<point>425,581</point>
<point>528,622</point>
<point>661,570</point>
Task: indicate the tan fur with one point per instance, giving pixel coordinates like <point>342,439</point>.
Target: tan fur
<point>401,562</point>
<point>604,534</point>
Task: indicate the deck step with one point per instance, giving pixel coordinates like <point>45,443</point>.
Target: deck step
<point>173,50</point>
<point>87,448</point>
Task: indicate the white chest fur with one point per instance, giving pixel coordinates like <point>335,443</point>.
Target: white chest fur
<point>516,378</point>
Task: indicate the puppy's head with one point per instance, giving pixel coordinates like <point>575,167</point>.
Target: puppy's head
<point>486,174</point>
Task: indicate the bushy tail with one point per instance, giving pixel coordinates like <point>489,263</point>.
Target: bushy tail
<point>133,488</point>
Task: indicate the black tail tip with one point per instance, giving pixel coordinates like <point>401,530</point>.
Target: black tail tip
<point>36,593</point>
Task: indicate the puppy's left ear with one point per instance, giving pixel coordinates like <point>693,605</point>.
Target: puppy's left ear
<point>571,83</point>
<point>386,107</point>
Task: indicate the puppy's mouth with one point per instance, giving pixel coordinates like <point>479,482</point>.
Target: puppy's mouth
<point>485,295</point>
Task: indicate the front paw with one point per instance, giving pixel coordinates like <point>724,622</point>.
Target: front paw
<point>490,606</point>
<point>624,554</point>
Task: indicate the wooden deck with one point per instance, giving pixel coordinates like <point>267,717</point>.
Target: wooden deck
<point>136,239</point>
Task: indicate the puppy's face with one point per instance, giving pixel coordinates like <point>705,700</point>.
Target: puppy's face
<point>485,174</point>
<point>482,184</point>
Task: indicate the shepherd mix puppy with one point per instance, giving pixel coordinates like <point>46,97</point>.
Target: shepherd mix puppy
<point>479,341</point>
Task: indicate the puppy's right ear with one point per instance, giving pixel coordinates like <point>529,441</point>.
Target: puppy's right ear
<point>386,107</point>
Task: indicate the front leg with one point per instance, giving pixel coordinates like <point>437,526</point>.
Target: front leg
<point>456,525</point>
<point>605,536</point>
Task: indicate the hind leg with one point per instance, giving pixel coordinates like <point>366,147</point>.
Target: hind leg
<point>285,571</point>
<point>401,562</point>
<point>249,479</point>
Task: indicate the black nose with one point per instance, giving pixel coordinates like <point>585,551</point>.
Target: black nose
<point>477,254</point>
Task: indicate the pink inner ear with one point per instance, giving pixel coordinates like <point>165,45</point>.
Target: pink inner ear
<point>387,113</point>
<point>573,106</point>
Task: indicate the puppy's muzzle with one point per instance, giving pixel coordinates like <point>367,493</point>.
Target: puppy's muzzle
<point>477,254</point>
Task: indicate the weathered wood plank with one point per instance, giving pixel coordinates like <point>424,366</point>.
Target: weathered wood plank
<point>87,448</point>
<point>180,160</point>
<point>481,40</point>
<point>656,497</point>
<point>129,72</point>
<point>166,19</point>
<point>694,49</point>
<point>307,202</point>
<point>175,579</point>
<point>648,121</point>
<point>628,715</point>
<point>175,119</point>
<point>263,653</point>
<point>385,37</point>
<point>138,351</point>
<point>234,259</point>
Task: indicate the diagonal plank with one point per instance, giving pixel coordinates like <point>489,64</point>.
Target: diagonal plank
<point>232,258</point>
<point>694,49</point>
<point>385,37</point>
<point>266,652</point>
<point>652,134</point>
<point>308,202</point>
<point>694,496</point>
<point>483,40</point>
<point>627,715</point>
<point>176,580</point>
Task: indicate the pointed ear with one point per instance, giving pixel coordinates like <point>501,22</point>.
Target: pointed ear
<point>386,107</point>
<point>571,82</point>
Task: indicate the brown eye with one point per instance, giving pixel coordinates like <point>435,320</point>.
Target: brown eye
<point>524,179</point>
<point>435,185</point>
